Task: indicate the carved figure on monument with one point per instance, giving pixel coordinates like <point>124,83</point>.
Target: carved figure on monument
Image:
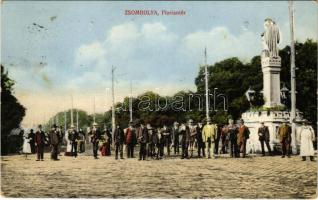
<point>270,39</point>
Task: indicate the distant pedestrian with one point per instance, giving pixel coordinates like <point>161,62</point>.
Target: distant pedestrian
<point>142,137</point>
<point>32,141</point>
<point>184,132</point>
<point>208,136</point>
<point>166,132</point>
<point>201,144</point>
<point>26,144</point>
<point>306,138</point>
<point>160,143</point>
<point>175,137</point>
<point>284,133</point>
<point>232,132</point>
<point>119,138</point>
<point>95,139</point>
<point>242,137</point>
<point>73,137</point>
<point>40,141</point>
<point>152,140</point>
<point>193,136</point>
<point>54,142</point>
<point>130,140</point>
<point>263,135</point>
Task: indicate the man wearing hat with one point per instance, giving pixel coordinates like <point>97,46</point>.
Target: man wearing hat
<point>263,134</point>
<point>175,137</point>
<point>284,132</point>
<point>185,134</point>
<point>142,136</point>
<point>232,132</point>
<point>242,136</point>
<point>130,140</point>
<point>208,137</point>
<point>40,140</point>
<point>201,145</point>
<point>73,137</point>
<point>119,139</point>
<point>54,142</point>
<point>193,135</point>
<point>95,139</point>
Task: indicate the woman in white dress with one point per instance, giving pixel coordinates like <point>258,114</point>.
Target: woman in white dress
<point>306,138</point>
<point>26,145</point>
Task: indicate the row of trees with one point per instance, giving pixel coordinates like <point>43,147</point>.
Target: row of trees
<point>231,76</point>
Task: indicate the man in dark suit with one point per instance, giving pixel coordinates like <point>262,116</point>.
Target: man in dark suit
<point>40,141</point>
<point>201,144</point>
<point>54,142</point>
<point>284,133</point>
<point>95,139</point>
<point>73,137</point>
<point>142,137</point>
<point>175,137</point>
<point>119,139</point>
<point>263,134</point>
<point>32,140</point>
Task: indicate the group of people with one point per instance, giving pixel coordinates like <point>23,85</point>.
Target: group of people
<point>157,142</point>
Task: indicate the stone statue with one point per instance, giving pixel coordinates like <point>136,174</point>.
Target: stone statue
<point>270,39</point>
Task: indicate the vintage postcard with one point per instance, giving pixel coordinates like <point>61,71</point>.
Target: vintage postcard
<point>159,99</point>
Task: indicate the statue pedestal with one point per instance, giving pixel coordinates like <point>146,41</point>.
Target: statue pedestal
<point>271,81</point>
<point>272,119</point>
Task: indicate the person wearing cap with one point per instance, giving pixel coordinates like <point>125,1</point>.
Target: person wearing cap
<point>108,141</point>
<point>232,133</point>
<point>40,140</point>
<point>166,137</point>
<point>142,137</point>
<point>263,136</point>
<point>193,135</point>
<point>242,136</point>
<point>306,137</point>
<point>208,137</point>
<point>119,139</point>
<point>54,142</point>
<point>32,141</point>
<point>284,132</point>
<point>152,140</point>
<point>73,137</point>
<point>201,145</point>
<point>130,140</point>
<point>95,139</point>
<point>160,143</point>
<point>175,137</point>
<point>185,136</point>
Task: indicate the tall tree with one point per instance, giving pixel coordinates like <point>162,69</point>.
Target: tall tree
<point>12,113</point>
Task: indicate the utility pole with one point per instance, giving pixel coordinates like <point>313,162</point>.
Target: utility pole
<point>113,100</point>
<point>130,102</point>
<point>206,86</point>
<point>292,76</point>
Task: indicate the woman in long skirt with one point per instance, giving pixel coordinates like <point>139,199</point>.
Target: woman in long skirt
<point>26,145</point>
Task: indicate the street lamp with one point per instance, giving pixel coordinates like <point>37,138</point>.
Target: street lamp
<point>283,94</point>
<point>250,94</point>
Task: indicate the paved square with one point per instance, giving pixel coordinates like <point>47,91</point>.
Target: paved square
<point>253,177</point>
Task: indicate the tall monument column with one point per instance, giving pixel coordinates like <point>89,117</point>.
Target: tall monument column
<point>271,81</point>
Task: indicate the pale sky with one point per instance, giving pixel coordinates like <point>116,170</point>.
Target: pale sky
<point>55,49</point>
